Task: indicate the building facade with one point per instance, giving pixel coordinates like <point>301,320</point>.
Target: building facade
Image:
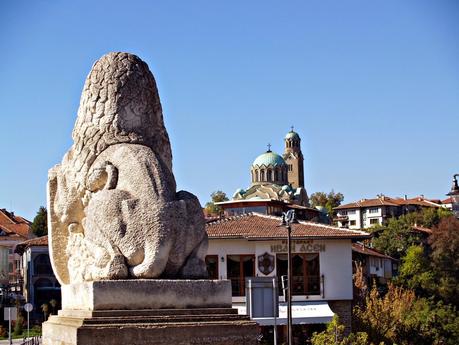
<point>13,230</point>
<point>40,285</point>
<point>374,264</point>
<point>366,213</point>
<point>253,245</point>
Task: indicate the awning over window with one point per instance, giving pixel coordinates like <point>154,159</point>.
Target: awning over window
<point>302,313</point>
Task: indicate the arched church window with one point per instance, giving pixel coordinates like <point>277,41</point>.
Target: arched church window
<point>262,175</point>
<point>269,176</point>
<point>276,175</point>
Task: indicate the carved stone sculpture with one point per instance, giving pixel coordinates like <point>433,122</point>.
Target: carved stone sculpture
<point>114,212</point>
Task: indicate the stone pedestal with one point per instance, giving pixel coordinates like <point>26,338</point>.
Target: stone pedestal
<point>147,312</point>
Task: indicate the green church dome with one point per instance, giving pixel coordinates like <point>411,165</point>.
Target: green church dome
<point>269,158</point>
<point>292,135</point>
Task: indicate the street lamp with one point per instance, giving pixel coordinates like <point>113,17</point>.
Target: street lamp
<point>454,194</point>
<point>289,218</point>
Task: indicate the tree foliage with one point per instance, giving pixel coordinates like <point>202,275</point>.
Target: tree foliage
<point>399,317</point>
<point>415,271</point>
<point>217,196</point>
<point>444,256</point>
<point>329,201</point>
<point>334,334</point>
<point>397,236</point>
<point>40,222</point>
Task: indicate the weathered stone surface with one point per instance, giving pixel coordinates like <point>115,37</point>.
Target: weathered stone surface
<point>178,327</point>
<point>136,294</point>
<point>114,212</point>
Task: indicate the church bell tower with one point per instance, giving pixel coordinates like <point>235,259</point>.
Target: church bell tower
<point>294,159</point>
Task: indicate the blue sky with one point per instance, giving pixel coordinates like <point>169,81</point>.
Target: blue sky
<point>371,87</point>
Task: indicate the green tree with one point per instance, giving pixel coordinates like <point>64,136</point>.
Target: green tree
<point>415,272</point>
<point>445,258</point>
<point>399,317</point>
<point>40,222</point>
<point>395,238</point>
<point>334,334</point>
<point>329,201</point>
<point>217,196</point>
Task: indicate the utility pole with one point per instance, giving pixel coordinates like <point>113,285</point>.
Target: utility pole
<point>289,218</point>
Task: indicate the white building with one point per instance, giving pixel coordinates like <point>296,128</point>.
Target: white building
<point>255,245</point>
<point>375,264</point>
<point>366,213</point>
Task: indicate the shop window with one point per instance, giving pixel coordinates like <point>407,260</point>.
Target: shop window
<point>212,266</point>
<point>305,272</point>
<point>239,267</point>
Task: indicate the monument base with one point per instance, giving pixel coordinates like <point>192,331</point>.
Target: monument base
<point>210,326</point>
<point>147,294</point>
<point>148,312</point>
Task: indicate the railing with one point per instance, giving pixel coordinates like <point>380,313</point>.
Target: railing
<point>32,341</point>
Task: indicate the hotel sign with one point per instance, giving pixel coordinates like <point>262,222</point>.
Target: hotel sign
<point>298,247</point>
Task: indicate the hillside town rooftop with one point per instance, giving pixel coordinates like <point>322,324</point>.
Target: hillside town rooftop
<point>388,201</point>
<point>14,225</point>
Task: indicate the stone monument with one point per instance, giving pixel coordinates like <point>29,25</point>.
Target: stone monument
<point>127,248</point>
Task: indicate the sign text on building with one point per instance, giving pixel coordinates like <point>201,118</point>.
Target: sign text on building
<point>298,247</point>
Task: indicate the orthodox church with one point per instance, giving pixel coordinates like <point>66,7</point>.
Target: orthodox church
<point>277,184</point>
<point>277,177</point>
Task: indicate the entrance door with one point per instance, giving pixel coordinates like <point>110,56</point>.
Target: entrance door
<point>238,268</point>
<point>305,272</point>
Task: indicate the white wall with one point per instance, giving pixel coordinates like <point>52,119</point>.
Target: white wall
<point>335,262</point>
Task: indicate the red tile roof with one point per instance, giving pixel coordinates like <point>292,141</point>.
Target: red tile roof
<point>447,201</point>
<point>388,201</point>
<point>12,224</point>
<point>34,242</point>
<point>362,249</point>
<point>255,226</point>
